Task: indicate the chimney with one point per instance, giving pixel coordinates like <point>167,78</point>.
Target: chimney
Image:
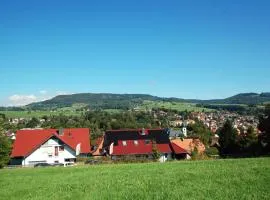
<point>60,131</point>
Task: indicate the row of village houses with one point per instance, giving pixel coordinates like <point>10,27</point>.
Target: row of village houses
<point>63,146</point>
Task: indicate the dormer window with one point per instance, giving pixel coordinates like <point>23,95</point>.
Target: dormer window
<point>124,143</point>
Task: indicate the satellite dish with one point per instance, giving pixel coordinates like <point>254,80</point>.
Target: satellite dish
<point>78,149</point>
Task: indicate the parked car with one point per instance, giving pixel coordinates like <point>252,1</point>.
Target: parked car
<point>43,165</point>
<point>58,165</point>
<point>67,164</point>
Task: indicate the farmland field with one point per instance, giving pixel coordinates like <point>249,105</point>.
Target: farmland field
<point>173,106</point>
<point>216,179</point>
<point>38,114</point>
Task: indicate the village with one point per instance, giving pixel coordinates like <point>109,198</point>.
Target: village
<point>45,147</point>
<point>215,120</point>
<point>64,146</point>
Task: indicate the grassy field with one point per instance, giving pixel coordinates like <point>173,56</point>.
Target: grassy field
<point>67,111</point>
<point>38,114</point>
<point>216,179</point>
<point>173,106</point>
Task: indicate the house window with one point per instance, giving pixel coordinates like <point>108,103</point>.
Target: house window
<point>61,148</point>
<point>136,142</point>
<point>147,141</point>
<point>124,143</point>
<point>56,151</point>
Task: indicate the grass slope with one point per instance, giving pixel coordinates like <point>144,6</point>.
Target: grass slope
<point>217,179</point>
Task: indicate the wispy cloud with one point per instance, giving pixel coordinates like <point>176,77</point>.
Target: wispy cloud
<point>25,99</point>
<point>20,100</point>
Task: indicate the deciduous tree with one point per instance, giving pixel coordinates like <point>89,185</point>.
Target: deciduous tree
<point>5,146</point>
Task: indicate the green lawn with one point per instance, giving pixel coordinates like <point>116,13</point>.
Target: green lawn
<point>216,179</point>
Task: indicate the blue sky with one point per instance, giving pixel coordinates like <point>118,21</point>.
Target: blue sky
<point>188,49</point>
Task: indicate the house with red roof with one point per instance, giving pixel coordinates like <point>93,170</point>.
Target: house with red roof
<point>50,146</point>
<point>141,143</point>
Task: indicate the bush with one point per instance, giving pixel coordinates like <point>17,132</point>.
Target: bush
<point>212,151</point>
<point>82,159</point>
<point>5,148</point>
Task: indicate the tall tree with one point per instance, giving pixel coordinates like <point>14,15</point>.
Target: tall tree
<point>33,123</point>
<point>227,139</point>
<point>201,131</point>
<point>5,145</point>
<point>248,141</point>
<point>264,127</point>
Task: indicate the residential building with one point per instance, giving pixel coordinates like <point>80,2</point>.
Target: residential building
<point>50,146</point>
<point>141,143</point>
<point>189,144</point>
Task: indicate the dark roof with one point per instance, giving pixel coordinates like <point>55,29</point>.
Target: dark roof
<point>137,143</point>
<point>159,135</point>
<point>175,133</point>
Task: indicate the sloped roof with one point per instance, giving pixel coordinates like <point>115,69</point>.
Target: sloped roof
<point>189,144</point>
<point>140,147</point>
<point>29,140</point>
<point>178,149</point>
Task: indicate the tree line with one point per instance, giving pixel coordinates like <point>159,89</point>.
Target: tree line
<point>249,143</point>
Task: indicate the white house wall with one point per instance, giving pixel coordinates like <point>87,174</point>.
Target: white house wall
<point>46,153</point>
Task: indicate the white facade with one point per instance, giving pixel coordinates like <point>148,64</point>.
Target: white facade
<point>52,152</point>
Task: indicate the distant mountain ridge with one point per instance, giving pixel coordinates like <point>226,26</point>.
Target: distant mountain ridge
<point>126,101</point>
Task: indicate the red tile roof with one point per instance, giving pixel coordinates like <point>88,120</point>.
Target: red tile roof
<point>29,140</point>
<point>142,148</point>
<point>177,149</point>
<point>189,144</point>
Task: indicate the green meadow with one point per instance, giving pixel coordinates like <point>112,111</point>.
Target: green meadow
<point>39,114</point>
<point>214,179</point>
<point>173,106</point>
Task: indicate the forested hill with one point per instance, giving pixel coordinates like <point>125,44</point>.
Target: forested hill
<point>99,100</point>
<point>126,101</point>
<point>243,98</point>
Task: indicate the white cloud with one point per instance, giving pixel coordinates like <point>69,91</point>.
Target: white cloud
<point>20,100</point>
<point>43,92</point>
<point>25,99</point>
